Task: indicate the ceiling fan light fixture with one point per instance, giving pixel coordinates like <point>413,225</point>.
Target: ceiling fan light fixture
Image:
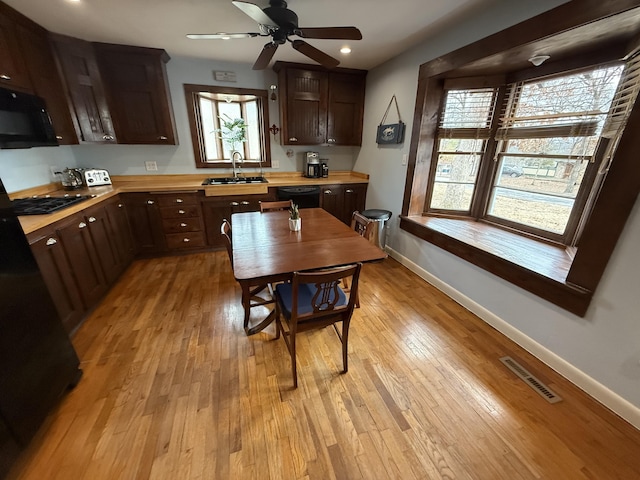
<point>345,50</point>
<point>538,60</point>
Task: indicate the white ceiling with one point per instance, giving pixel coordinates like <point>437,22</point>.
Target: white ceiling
<point>388,27</point>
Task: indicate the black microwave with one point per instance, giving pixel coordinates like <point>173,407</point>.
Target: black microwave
<point>24,121</point>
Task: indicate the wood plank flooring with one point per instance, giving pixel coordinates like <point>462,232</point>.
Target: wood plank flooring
<point>174,389</point>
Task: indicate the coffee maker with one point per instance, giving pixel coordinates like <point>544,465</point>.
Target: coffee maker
<point>313,169</point>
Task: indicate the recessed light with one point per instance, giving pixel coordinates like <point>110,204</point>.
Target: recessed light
<point>345,50</point>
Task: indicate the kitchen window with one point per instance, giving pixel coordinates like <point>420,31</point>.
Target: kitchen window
<point>209,107</point>
<point>524,155</point>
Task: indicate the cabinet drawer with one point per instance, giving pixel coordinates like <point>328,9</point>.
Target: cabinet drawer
<point>181,225</point>
<point>176,199</point>
<point>180,211</point>
<point>177,241</point>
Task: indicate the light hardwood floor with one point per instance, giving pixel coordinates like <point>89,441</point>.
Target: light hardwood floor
<point>174,389</point>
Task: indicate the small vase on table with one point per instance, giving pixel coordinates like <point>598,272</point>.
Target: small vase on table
<point>295,222</point>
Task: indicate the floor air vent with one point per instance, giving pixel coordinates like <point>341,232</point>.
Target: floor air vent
<point>530,380</point>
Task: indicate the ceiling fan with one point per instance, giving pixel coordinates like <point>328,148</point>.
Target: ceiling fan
<point>278,22</point>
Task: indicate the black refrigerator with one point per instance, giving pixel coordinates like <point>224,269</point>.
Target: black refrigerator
<point>37,360</point>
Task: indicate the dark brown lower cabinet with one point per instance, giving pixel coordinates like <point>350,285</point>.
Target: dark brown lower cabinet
<point>58,275</point>
<point>81,251</point>
<point>216,209</point>
<point>145,222</point>
<point>342,200</point>
<point>120,232</point>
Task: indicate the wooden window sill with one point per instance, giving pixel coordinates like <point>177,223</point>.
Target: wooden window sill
<point>535,266</point>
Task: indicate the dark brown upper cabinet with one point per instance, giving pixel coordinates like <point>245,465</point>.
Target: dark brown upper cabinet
<point>46,82</point>
<point>137,90</point>
<point>89,103</point>
<point>320,106</point>
<point>13,71</point>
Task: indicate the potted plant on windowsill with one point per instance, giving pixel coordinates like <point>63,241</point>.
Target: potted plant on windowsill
<point>294,218</point>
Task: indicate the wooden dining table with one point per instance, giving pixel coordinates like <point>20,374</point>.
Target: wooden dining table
<point>265,250</point>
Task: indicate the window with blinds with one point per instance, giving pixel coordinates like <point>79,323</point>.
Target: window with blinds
<point>526,155</point>
<point>464,128</point>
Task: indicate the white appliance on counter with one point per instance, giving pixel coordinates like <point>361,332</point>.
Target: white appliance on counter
<point>94,177</point>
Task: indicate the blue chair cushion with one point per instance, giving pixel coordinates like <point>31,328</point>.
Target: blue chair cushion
<point>306,291</point>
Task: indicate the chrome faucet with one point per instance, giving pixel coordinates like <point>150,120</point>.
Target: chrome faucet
<point>235,159</point>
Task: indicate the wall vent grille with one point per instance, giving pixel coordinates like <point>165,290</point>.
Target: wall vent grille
<point>539,387</point>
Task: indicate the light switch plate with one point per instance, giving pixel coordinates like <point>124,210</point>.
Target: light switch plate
<point>275,163</point>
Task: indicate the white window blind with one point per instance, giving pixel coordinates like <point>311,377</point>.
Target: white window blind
<point>467,113</point>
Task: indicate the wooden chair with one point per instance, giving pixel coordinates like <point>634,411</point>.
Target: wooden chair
<point>363,225</point>
<point>273,206</point>
<point>315,300</point>
<point>365,228</point>
<point>257,299</point>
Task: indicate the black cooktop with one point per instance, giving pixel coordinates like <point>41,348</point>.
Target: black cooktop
<point>44,205</point>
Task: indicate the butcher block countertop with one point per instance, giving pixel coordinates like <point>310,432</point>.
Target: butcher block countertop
<point>168,183</point>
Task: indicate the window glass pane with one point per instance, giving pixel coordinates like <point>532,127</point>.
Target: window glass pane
<point>468,109</point>
<point>541,167</point>
<point>229,110</point>
<point>253,139</point>
<point>454,181</point>
<point>208,115</point>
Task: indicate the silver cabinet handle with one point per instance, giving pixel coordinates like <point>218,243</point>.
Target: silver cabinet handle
<point>328,192</point>
<point>183,224</point>
<point>162,137</point>
<point>4,76</point>
<point>150,202</point>
<point>181,212</point>
<point>349,191</point>
<point>120,205</point>
<point>244,203</point>
<point>82,225</point>
<point>293,139</point>
<point>107,137</point>
<point>186,240</point>
<point>92,219</point>
<point>234,204</point>
<point>58,137</point>
<point>179,200</point>
<point>51,241</point>
<point>331,140</point>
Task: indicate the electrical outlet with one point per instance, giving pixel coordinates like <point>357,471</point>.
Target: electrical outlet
<point>275,163</point>
<point>151,166</point>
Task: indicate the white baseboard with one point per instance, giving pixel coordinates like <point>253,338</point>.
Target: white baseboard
<point>595,389</point>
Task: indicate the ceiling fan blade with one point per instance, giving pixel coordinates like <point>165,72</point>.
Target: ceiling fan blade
<point>265,56</point>
<point>330,33</point>
<point>221,36</point>
<point>255,12</point>
<point>315,54</point>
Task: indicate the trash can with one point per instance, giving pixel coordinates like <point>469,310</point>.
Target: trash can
<point>380,217</point>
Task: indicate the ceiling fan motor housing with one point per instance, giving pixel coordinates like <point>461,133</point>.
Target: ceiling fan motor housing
<point>279,13</point>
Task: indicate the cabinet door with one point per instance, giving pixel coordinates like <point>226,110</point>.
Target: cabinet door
<point>58,276</point>
<point>120,232</point>
<point>346,109</point>
<point>331,199</point>
<point>82,75</point>
<point>217,209</point>
<point>13,72</point>
<point>354,199</point>
<point>103,241</point>
<point>305,108</point>
<point>46,82</point>
<point>81,252</point>
<point>145,222</point>
<point>137,89</point>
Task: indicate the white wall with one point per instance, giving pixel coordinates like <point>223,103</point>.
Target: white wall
<point>600,352</point>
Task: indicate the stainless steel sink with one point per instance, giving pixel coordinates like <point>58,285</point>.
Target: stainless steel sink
<point>233,180</point>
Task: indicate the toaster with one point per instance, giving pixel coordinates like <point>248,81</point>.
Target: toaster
<point>94,177</point>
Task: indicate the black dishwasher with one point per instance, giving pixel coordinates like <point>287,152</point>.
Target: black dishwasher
<point>303,196</point>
